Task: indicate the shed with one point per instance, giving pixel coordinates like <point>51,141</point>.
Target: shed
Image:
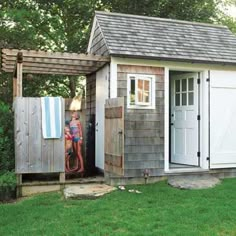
<point>169,93</point>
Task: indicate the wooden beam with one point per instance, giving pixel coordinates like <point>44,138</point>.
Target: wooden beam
<point>51,72</point>
<point>50,66</point>
<point>41,62</point>
<point>11,59</point>
<point>39,70</point>
<point>56,55</point>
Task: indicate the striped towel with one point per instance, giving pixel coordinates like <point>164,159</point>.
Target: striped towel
<point>51,117</point>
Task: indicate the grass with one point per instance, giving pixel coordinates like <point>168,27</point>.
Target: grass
<point>158,210</point>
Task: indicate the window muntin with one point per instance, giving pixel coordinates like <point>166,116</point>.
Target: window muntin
<point>184,92</point>
<point>141,91</point>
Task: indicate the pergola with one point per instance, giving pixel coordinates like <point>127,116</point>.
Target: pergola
<point>44,62</point>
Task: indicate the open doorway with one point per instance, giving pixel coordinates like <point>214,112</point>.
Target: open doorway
<point>184,119</point>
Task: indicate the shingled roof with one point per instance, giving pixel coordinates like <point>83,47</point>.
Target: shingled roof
<point>165,39</point>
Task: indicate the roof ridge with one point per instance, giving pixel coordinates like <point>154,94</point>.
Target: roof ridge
<point>160,19</point>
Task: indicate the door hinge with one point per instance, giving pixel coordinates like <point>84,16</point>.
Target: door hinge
<point>198,117</point>
<point>198,81</point>
<point>208,79</point>
<point>208,158</point>
<point>198,154</point>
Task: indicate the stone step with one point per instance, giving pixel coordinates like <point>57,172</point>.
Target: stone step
<point>193,181</point>
<point>86,191</point>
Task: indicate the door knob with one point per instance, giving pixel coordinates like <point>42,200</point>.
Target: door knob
<point>171,123</point>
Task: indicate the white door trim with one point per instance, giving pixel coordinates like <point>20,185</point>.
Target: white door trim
<point>204,131</point>
<point>101,96</point>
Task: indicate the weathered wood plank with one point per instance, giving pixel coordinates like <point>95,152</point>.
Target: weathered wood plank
<point>114,160</point>
<point>55,55</point>
<point>114,136</point>
<point>47,155</point>
<point>35,135</point>
<point>59,147</point>
<point>114,112</point>
<point>21,135</point>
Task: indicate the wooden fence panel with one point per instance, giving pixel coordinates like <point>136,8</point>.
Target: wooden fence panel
<point>33,153</point>
<point>35,135</point>
<point>114,136</point>
<point>21,135</point>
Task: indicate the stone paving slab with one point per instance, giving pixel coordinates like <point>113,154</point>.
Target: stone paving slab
<point>193,182</point>
<point>87,191</point>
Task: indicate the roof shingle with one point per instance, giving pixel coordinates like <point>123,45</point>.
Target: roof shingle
<point>166,39</point>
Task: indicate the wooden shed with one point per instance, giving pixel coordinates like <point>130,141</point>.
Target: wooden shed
<point>168,92</point>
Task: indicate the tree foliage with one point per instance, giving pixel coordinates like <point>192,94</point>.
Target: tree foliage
<point>6,138</point>
<point>64,25</point>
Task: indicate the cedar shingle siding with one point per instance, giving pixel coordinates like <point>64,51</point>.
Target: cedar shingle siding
<point>157,38</point>
<point>98,45</point>
<point>144,129</point>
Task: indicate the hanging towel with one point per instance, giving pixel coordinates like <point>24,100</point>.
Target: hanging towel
<point>51,117</point>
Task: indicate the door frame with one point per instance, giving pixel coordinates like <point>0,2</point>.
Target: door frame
<point>102,80</point>
<point>203,123</point>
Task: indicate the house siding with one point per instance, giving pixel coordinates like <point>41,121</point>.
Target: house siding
<point>144,129</point>
<point>98,45</point>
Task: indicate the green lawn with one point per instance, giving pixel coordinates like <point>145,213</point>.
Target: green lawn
<point>158,210</point>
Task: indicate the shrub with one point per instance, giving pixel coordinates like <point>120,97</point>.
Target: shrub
<point>7,157</point>
<point>7,179</point>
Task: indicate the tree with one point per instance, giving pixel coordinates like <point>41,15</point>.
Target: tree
<point>191,10</point>
<point>64,25</point>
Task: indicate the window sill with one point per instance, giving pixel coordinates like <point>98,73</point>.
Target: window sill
<point>141,107</point>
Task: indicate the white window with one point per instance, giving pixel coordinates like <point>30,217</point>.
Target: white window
<point>141,91</point>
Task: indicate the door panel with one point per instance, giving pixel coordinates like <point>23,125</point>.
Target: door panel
<point>184,124</point>
<point>222,119</point>
<point>114,136</point>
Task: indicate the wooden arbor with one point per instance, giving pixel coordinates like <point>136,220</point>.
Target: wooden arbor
<point>38,155</point>
<point>44,62</point>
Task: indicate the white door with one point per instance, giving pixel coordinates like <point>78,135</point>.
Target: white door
<point>222,119</point>
<point>101,96</point>
<point>183,120</point>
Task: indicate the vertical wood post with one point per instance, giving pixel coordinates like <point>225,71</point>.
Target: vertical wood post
<point>19,74</point>
<point>62,180</point>
<point>19,185</point>
<point>14,86</point>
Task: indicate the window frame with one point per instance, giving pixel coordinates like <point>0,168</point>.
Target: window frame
<point>152,82</point>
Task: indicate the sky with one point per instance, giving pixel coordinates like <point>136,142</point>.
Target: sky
<point>232,11</point>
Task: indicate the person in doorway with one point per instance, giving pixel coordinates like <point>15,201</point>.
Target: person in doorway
<point>77,138</point>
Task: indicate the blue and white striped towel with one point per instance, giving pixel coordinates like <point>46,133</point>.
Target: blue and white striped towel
<point>51,117</point>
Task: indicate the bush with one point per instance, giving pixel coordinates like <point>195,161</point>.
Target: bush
<point>8,179</point>
<point>7,186</point>
<point>7,157</point>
